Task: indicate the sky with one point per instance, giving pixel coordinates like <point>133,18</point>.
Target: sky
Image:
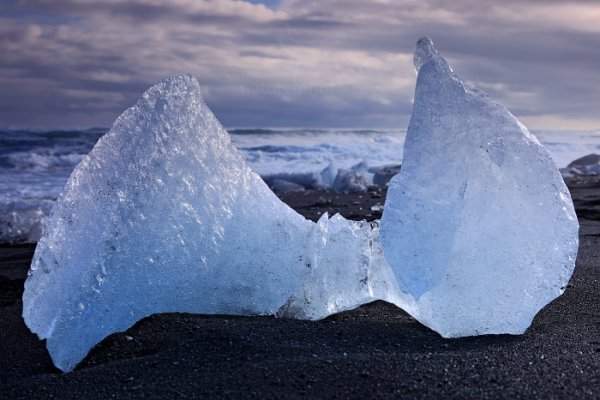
<point>294,63</point>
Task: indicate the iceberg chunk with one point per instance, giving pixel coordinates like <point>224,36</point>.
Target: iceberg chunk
<point>164,215</point>
<point>479,226</point>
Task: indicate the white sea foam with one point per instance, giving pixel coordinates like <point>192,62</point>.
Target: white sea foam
<point>301,151</point>
<point>34,166</point>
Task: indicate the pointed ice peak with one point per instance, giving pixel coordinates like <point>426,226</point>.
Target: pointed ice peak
<point>164,215</point>
<point>424,52</point>
<point>479,226</point>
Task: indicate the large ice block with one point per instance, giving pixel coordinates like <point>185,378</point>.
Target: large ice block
<point>164,215</point>
<point>478,226</point>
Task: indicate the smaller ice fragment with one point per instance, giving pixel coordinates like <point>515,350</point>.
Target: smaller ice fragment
<point>478,226</point>
<point>280,186</point>
<point>344,268</point>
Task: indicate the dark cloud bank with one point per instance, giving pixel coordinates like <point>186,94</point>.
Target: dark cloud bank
<point>73,63</point>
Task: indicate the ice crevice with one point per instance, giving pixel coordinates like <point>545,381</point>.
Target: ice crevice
<point>164,215</point>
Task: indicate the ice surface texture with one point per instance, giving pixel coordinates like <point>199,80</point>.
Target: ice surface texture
<point>479,226</point>
<point>164,215</point>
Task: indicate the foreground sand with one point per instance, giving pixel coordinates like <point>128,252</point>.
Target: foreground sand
<point>374,351</point>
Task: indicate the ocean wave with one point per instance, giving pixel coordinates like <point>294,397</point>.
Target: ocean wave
<point>35,165</point>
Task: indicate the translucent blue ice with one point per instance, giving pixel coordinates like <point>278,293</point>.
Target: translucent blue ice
<point>479,226</point>
<point>164,215</point>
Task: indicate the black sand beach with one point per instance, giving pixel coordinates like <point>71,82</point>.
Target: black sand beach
<point>376,351</point>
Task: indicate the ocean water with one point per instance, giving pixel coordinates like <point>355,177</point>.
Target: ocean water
<point>34,166</point>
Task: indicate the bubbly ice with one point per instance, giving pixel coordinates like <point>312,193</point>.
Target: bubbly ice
<point>164,215</point>
<point>345,268</point>
<point>479,226</point>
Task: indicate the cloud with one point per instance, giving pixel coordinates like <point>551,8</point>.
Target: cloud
<point>75,63</point>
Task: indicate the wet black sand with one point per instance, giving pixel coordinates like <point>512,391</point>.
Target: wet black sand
<point>375,351</point>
